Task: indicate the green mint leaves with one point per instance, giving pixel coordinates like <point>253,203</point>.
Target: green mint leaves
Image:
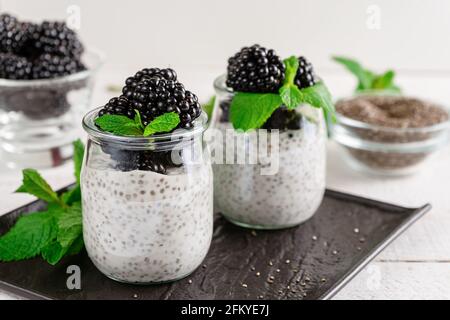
<point>34,184</point>
<point>53,233</point>
<point>28,236</point>
<point>124,126</point>
<point>209,106</point>
<point>119,125</point>
<point>368,80</point>
<point>164,123</point>
<point>251,110</point>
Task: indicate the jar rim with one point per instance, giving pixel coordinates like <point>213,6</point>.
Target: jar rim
<point>221,86</point>
<point>96,55</point>
<point>162,141</point>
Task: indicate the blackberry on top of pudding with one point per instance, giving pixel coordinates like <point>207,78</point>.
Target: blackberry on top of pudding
<point>152,92</point>
<point>284,97</point>
<point>257,69</point>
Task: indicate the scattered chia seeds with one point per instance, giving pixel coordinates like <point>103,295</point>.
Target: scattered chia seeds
<point>244,285</point>
<point>314,238</point>
<point>356,230</point>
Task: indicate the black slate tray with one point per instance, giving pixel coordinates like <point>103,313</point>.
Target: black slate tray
<point>312,261</point>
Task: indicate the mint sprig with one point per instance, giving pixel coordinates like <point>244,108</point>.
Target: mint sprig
<point>251,110</point>
<point>367,79</point>
<point>124,126</point>
<point>34,184</point>
<point>53,233</point>
<point>164,123</point>
<point>290,94</point>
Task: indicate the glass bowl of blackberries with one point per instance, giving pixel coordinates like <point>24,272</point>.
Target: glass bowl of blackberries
<point>46,81</point>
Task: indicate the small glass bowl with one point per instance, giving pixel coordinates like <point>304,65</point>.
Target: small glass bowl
<point>39,119</point>
<point>388,151</point>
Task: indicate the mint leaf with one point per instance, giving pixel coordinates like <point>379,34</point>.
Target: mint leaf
<point>28,236</point>
<point>69,234</point>
<point>209,106</point>
<point>53,252</point>
<point>251,110</point>
<point>71,196</point>
<point>76,246</point>
<point>384,81</point>
<point>364,77</point>
<point>34,184</point>
<point>318,96</point>
<point>291,96</point>
<point>138,120</point>
<point>291,65</point>
<point>164,123</point>
<point>78,154</point>
<point>289,92</point>
<point>70,225</point>
<point>120,125</point>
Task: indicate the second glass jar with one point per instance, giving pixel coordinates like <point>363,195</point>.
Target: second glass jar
<point>282,199</point>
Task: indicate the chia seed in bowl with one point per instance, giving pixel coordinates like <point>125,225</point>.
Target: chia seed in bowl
<point>390,135</point>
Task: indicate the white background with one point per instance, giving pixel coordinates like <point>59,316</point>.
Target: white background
<point>197,37</point>
<point>192,35</point>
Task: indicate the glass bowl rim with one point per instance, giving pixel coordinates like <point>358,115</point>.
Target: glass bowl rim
<point>342,120</point>
<point>81,75</point>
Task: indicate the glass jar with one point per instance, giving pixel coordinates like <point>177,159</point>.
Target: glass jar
<point>386,150</point>
<point>39,119</point>
<point>286,184</point>
<point>147,203</point>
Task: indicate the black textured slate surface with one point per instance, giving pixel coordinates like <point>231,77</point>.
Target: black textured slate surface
<point>312,261</point>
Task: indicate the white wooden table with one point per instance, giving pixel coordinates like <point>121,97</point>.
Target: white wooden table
<point>415,266</point>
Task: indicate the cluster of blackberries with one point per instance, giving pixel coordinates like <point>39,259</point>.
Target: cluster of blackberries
<point>153,92</point>
<point>255,69</point>
<point>129,160</point>
<point>37,51</point>
<point>260,70</point>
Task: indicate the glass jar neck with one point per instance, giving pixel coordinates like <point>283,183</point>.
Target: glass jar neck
<point>178,139</point>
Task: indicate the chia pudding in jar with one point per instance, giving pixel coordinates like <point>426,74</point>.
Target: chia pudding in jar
<point>286,186</point>
<point>147,201</point>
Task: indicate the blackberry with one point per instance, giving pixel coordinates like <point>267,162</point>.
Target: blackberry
<point>13,34</point>
<point>129,160</point>
<point>49,66</point>
<point>284,119</point>
<point>119,106</point>
<point>255,69</point>
<point>35,104</point>
<point>14,67</point>
<point>305,75</point>
<point>153,92</point>
<point>56,38</point>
